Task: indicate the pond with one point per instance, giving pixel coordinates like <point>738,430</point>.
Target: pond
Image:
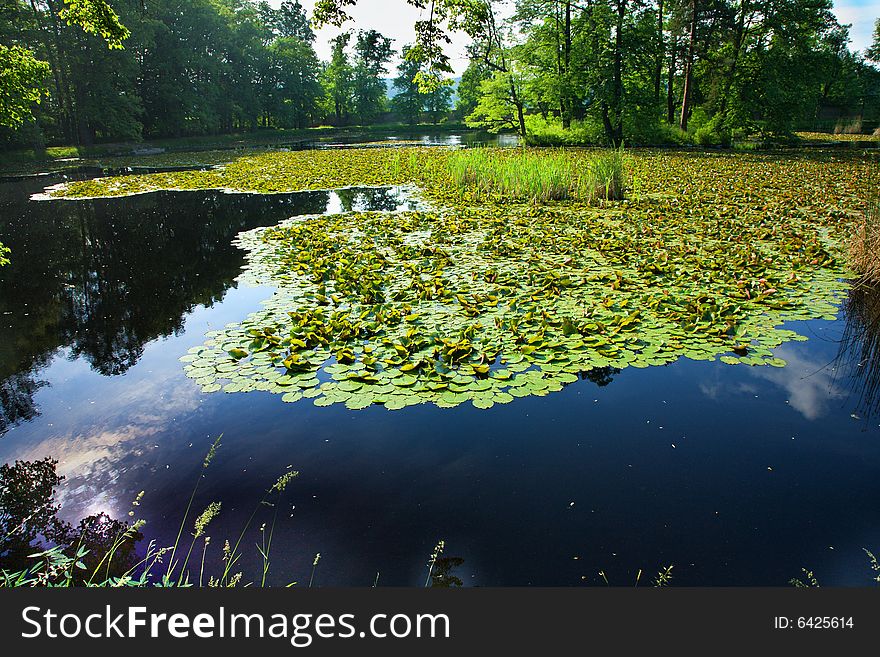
<point>733,475</point>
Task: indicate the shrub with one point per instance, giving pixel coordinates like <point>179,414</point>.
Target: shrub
<point>549,132</point>
<point>714,133</point>
<point>642,131</point>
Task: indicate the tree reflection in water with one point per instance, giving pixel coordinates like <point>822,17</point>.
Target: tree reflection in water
<point>102,278</point>
<point>29,523</point>
<point>858,358</point>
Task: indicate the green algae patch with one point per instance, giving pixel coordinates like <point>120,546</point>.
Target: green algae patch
<point>480,299</point>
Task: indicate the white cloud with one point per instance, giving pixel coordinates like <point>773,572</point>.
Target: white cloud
<point>861,14</point>
<point>810,384</point>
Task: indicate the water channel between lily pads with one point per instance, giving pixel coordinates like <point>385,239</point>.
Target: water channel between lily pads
<point>735,475</point>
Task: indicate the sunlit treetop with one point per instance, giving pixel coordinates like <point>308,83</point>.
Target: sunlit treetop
<point>98,18</point>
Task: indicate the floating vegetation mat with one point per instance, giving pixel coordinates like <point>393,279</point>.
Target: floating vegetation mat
<point>482,301</point>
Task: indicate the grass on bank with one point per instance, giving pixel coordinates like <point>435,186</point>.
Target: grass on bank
<point>536,176</point>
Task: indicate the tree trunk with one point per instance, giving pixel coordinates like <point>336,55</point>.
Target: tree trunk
<point>689,74</point>
<point>658,71</point>
<point>616,133</point>
<point>670,82</point>
<point>566,69</point>
<point>521,119</point>
<point>737,48</point>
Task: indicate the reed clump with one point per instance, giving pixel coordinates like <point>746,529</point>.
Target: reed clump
<point>849,127</point>
<point>864,250</point>
<point>537,176</point>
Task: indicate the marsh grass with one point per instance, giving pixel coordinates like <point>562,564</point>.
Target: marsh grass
<point>864,250</point>
<point>537,176</point>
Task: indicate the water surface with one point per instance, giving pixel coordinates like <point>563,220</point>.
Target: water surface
<point>735,475</point>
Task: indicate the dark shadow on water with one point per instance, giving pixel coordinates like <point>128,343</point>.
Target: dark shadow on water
<point>102,278</point>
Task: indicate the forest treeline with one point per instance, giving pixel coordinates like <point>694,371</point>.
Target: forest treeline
<point>195,67</point>
<point>595,71</point>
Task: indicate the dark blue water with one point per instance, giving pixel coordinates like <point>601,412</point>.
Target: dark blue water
<point>734,475</point>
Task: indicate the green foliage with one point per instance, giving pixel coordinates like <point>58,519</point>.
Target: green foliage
<point>411,101</point>
<point>22,84</point>
<point>4,253</point>
<point>496,109</point>
<point>590,132</point>
<point>372,54</point>
<point>610,72</point>
<point>288,21</point>
<point>873,52</point>
<point>549,132</point>
<point>468,92</point>
<point>293,92</point>
<point>713,132</point>
<point>338,80</point>
<point>98,18</point>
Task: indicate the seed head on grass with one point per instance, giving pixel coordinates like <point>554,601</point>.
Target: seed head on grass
<point>212,452</point>
<point>205,518</point>
<point>284,480</point>
<point>438,550</point>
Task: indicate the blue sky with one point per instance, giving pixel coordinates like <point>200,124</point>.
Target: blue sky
<point>861,14</point>
<point>394,18</point>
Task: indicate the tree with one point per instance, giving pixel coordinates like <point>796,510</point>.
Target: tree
<point>295,88</point>
<point>468,91</point>
<point>496,108</point>
<point>408,102</point>
<point>504,85</point>
<point>438,101</point>
<point>372,54</point>
<point>873,52</point>
<point>22,84</point>
<point>337,79</point>
<point>427,51</point>
<point>22,76</point>
<point>411,101</point>
<point>289,20</point>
